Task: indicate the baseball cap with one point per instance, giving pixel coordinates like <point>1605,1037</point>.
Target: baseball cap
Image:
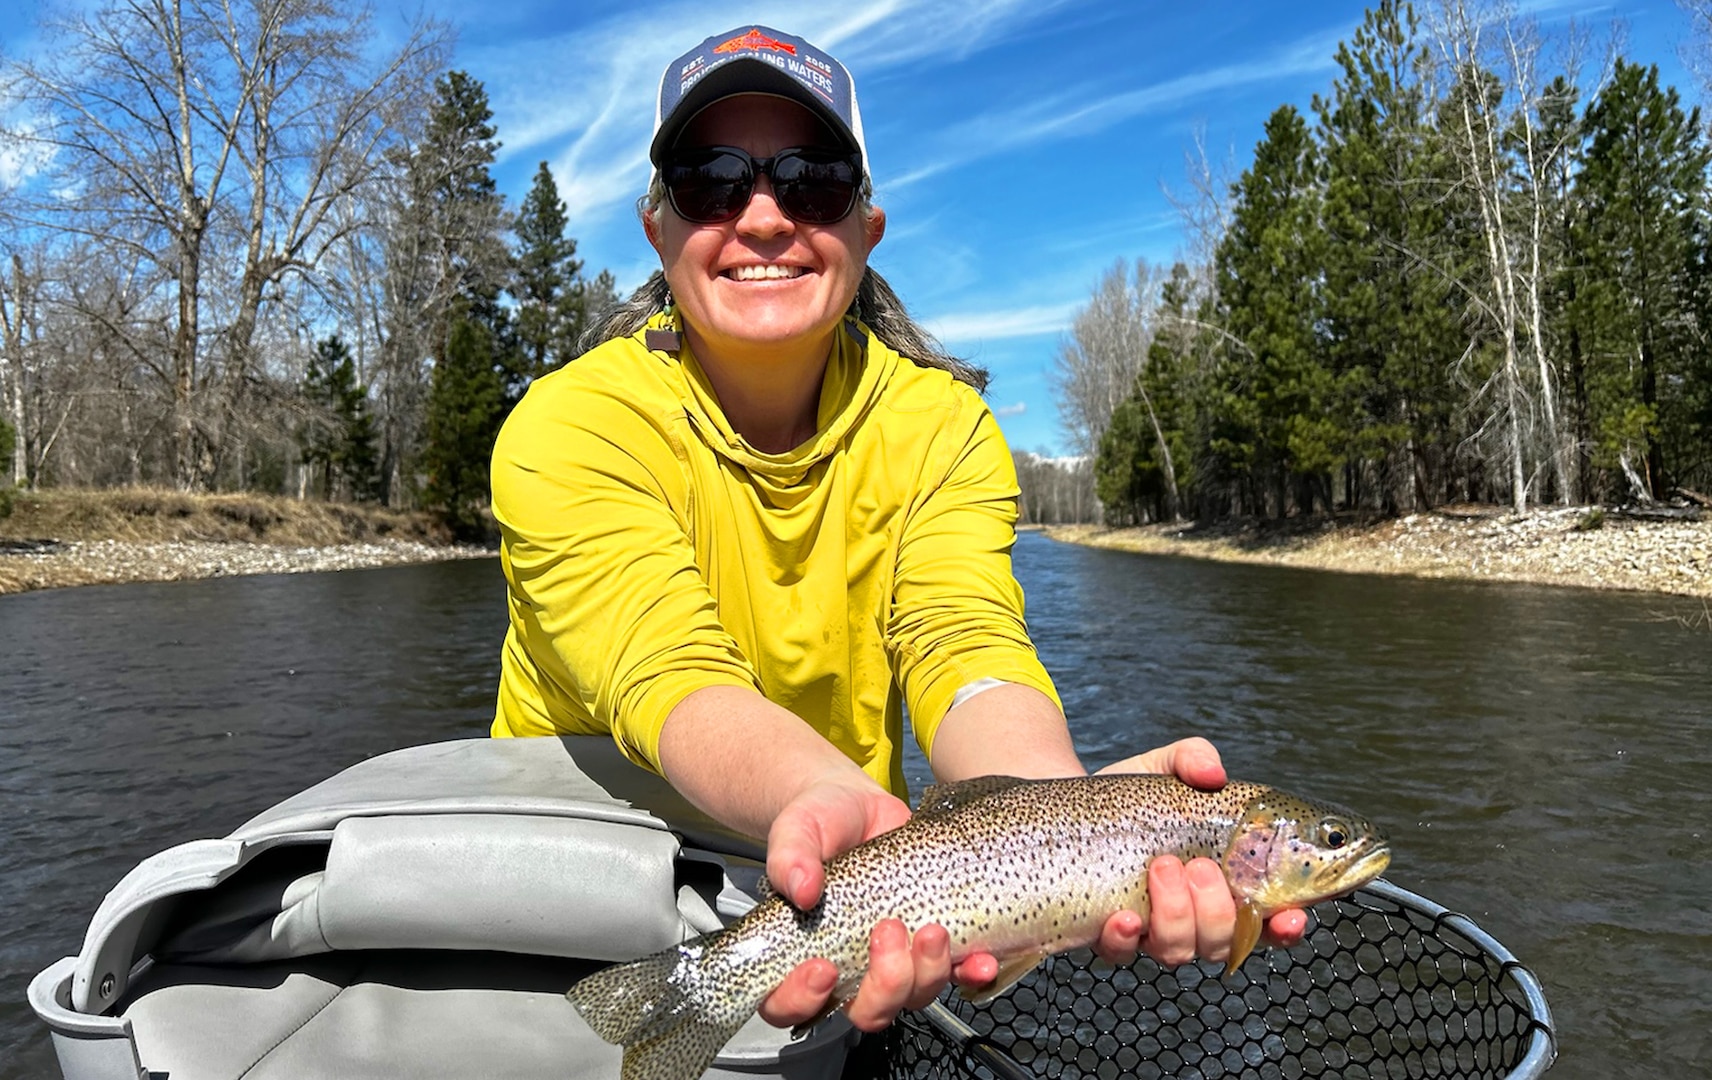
<point>756,60</point>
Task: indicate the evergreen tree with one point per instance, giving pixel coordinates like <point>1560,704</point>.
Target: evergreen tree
<point>1120,467</point>
<point>548,287</point>
<point>1390,318</point>
<point>1560,135</point>
<point>1643,190</point>
<point>1281,421</point>
<point>338,440</point>
<point>476,352</point>
<point>465,407</point>
<point>1144,468</point>
<point>453,178</point>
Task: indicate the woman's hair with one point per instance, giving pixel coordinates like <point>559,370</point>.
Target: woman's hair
<point>875,304</point>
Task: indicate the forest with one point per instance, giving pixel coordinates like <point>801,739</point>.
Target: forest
<point>1478,269</point>
<point>258,246</point>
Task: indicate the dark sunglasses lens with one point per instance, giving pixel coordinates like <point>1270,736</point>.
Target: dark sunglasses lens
<point>814,188</point>
<point>709,187</point>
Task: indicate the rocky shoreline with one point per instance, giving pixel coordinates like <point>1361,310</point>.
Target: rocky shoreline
<point>46,564</point>
<point>1551,547</point>
<point>1573,546</point>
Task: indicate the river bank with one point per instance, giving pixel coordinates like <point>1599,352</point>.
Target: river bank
<point>53,539</point>
<point>1574,546</point>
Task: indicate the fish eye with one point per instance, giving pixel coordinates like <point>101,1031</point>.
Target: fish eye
<point>1335,833</point>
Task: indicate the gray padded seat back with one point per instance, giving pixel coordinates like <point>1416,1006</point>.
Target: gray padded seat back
<point>419,915</point>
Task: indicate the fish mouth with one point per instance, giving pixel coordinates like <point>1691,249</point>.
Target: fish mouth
<point>1370,865</point>
<point>1350,875</point>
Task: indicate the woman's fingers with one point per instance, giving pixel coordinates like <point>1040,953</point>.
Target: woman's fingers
<point>1170,936</point>
<point>1215,910</point>
<point>1195,761</point>
<point>1192,913</point>
<point>1286,928</point>
<point>975,970</point>
<point>802,996</point>
<point>903,973</point>
<point>931,950</point>
<point>824,821</point>
<point>890,982</point>
<point>1120,938</point>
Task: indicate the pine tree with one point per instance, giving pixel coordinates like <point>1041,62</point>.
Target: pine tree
<point>1643,189</point>
<point>1288,426</point>
<point>1562,316</point>
<point>1390,318</point>
<point>1144,468</point>
<point>476,349</point>
<point>548,286</point>
<point>338,440</point>
<point>465,407</point>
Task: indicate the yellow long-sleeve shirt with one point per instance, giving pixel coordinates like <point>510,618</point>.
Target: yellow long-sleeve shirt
<point>651,552</point>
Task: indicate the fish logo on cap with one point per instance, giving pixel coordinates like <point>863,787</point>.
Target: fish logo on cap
<point>755,41</point>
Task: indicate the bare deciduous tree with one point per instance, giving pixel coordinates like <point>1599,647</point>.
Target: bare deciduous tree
<point>1097,365</point>
<point>209,147</point>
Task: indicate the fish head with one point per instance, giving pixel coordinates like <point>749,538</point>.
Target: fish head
<point>1289,852</point>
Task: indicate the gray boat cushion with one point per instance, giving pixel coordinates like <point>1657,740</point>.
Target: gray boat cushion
<point>407,1016</point>
<point>548,886</point>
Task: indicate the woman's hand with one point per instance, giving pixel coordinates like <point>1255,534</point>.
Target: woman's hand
<point>825,821</point>
<point>1192,912</point>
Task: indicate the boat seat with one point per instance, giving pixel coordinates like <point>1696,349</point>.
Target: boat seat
<point>419,915</point>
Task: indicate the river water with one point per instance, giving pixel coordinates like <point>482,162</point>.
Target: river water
<point>1542,758</point>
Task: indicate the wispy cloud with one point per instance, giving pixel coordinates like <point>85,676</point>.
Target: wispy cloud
<point>1016,409</point>
<point>584,100</point>
<point>1083,110</point>
<point>1010,322</point>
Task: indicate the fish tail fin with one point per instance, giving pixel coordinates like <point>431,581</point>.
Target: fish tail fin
<point>666,1033</point>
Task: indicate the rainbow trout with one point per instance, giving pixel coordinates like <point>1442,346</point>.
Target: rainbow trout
<point>1020,869</point>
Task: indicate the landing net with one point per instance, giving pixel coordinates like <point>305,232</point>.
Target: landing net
<point>1386,984</point>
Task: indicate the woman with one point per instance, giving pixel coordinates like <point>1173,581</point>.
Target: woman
<point>742,532</point>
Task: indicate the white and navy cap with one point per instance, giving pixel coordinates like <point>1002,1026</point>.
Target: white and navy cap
<point>756,60</point>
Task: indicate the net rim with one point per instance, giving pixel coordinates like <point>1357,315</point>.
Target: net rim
<point>1542,1044</point>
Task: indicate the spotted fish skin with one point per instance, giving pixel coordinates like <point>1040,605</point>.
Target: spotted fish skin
<point>1020,869</point>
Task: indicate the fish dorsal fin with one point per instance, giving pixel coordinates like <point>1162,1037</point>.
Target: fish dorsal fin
<point>944,798</point>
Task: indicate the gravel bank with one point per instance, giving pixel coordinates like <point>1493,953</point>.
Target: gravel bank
<point>28,565</point>
<point>1475,543</point>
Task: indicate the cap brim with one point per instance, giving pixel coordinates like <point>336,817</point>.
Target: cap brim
<point>745,76</point>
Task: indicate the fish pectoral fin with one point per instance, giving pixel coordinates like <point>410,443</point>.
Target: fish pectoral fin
<point>1249,923</point>
<point>943,798</point>
<point>1010,973</point>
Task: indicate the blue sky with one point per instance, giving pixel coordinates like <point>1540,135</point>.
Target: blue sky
<point>1019,147</point>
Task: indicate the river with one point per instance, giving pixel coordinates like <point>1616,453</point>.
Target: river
<point>1542,758</point>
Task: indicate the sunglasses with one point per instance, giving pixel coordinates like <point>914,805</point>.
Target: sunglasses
<point>709,185</point>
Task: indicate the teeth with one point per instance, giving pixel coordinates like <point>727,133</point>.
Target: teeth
<point>766,273</point>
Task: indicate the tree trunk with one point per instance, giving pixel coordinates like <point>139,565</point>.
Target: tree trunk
<point>185,457</point>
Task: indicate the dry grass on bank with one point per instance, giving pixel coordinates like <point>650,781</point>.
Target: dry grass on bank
<point>58,538</point>
<point>146,515</point>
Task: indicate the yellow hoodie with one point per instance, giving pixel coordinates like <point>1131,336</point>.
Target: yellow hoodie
<point>650,552</point>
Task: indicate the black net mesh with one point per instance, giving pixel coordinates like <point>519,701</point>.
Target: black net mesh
<point>1384,985</point>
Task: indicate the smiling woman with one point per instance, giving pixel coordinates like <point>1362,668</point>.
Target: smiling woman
<point>763,514</point>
